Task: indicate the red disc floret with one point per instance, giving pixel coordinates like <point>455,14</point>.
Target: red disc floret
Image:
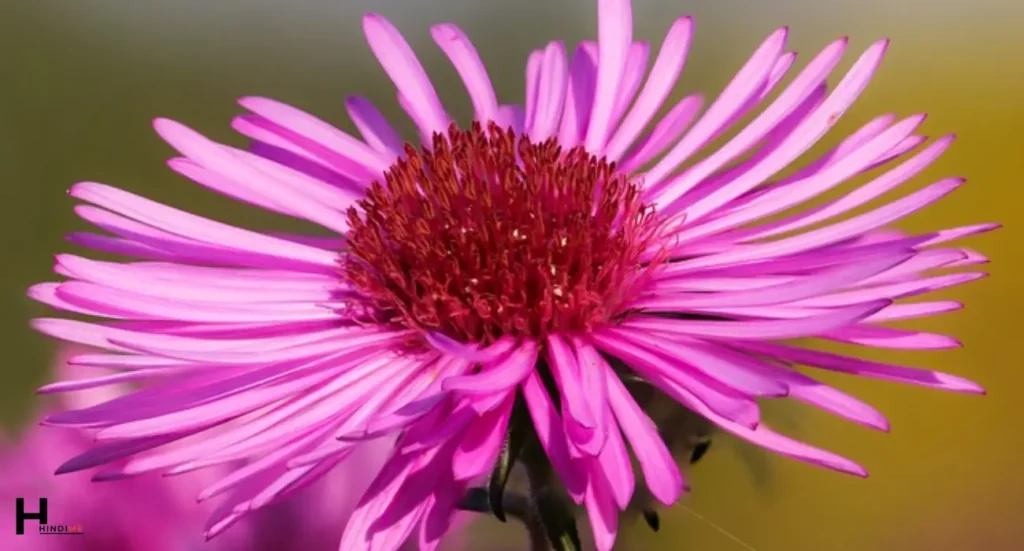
<point>488,234</point>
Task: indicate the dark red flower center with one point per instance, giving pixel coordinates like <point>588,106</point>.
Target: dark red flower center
<point>488,235</point>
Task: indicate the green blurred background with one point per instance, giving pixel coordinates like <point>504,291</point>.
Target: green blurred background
<point>82,79</point>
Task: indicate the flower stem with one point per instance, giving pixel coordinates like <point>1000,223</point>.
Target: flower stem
<point>516,506</point>
<point>538,537</point>
<point>548,504</point>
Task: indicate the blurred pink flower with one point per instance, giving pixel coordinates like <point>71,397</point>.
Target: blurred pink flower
<point>144,513</point>
<point>314,517</point>
<point>154,513</point>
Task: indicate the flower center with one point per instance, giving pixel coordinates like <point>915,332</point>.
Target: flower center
<point>488,235</point>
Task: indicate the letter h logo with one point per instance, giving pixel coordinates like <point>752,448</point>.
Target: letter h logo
<point>22,516</point>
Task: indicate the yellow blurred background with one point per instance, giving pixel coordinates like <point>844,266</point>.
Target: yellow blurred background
<point>81,81</point>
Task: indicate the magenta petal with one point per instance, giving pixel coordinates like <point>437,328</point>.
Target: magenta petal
<point>735,375</point>
<point>602,513</point>
<point>762,330</point>
<point>500,376</point>
<point>397,521</point>
<point>359,531</point>
<point>580,96</point>
<point>375,129</point>
<point>473,353</point>
<point>615,34</point>
<point>470,67</point>
<point>800,288</point>
<point>806,389</point>
<point>482,442</point>
<point>766,438</point>
<point>663,76</point>
<point>729,404</point>
<point>888,337</point>
<point>405,70</point>
<point>664,480</point>
<point>552,435</point>
<point>432,434</point>
<point>762,435</point>
<point>566,371</point>
<point>100,455</point>
<point>615,463</point>
<point>864,368</point>
<point>438,516</point>
<point>595,388</point>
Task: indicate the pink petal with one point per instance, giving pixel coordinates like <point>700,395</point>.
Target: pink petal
<point>580,96</point>
<point>800,191</point>
<point>862,368</point>
<point>806,389</point>
<point>615,463</point>
<point>893,290</point>
<point>897,339</point>
<point>742,87</point>
<point>665,132</point>
<point>318,131</point>
<point>467,62</point>
<point>601,511</point>
<point>760,435</point>
<point>534,66</point>
<point>736,376</point>
<point>225,186</point>
<point>400,63</point>
<point>726,402</point>
<point>662,77</point>
<point>632,75</point>
<point>760,329</point>
<point>914,310</point>
<point>283,186</point>
<point>566,371</point>
<point>382,491</point>
<point>664,480</point>
<point>286,147</point>
<point>865,193</point>
<point>800,89</point>
<point>470,352</point>
<point>595,389</point>
<point>153,242</point>
<point>375,129</point>
<point>615,34</point>
<point>551,434</point>
<point>803,288</point>
<point>831,234</point>
<point>551,92</point>
<point>500,376</point>
<point>479,448</point>
<point>438,516</point>
<point>800,139</point>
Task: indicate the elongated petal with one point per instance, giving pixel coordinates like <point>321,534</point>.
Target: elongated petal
<point>552,436</point>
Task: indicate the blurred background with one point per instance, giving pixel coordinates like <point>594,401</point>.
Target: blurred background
<point>81,80</point>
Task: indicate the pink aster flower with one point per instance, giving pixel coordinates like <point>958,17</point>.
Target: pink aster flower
<point>490,292</point>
